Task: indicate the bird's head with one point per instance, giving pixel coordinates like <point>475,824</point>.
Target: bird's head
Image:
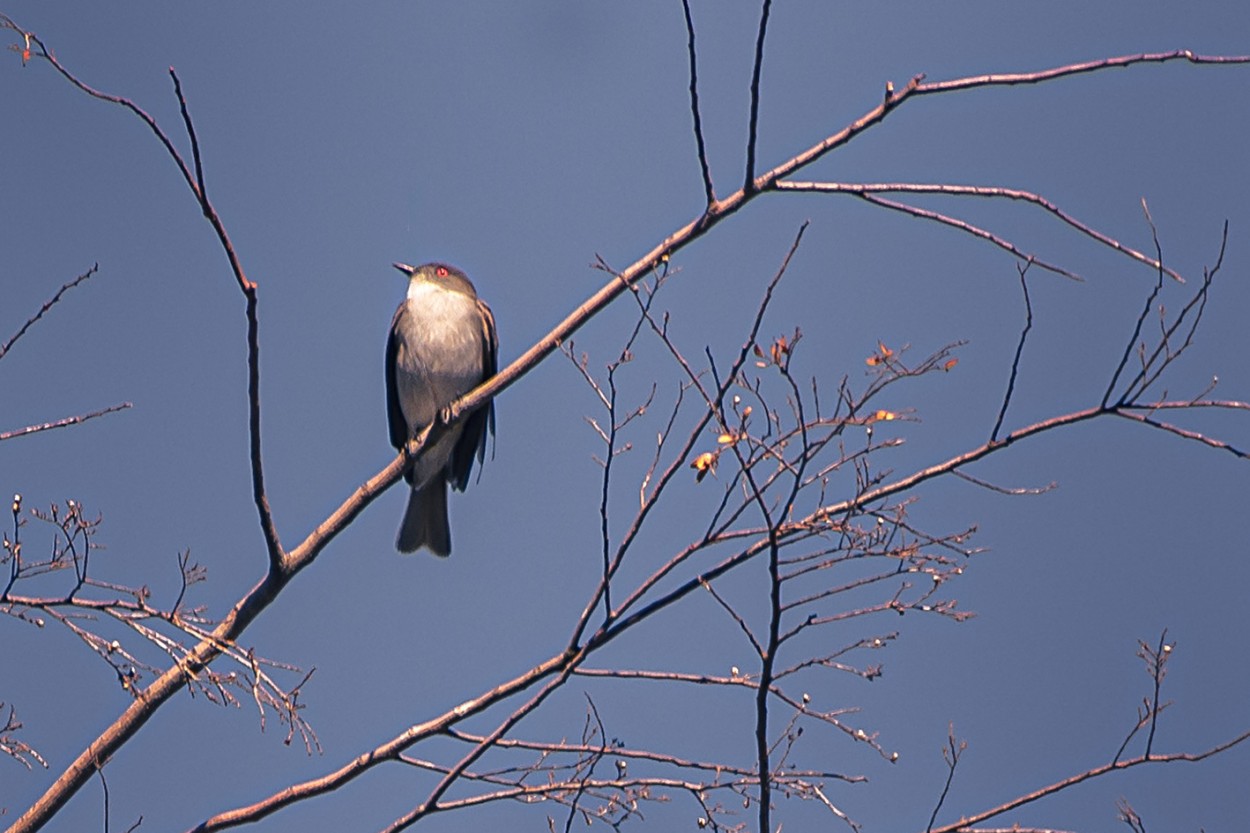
<point>439,274</point>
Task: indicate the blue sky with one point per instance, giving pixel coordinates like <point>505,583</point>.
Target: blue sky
<point>520,141</point>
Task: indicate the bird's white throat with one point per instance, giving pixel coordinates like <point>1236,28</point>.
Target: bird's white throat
<point>447,317</point>
<point>440,303</point>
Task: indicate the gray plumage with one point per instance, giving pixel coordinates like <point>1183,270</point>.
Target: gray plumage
<point>442,344</point>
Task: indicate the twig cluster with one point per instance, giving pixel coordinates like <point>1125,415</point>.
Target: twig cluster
<point>63,422</point>
<point>1155,659</point>
<point>84,605</point>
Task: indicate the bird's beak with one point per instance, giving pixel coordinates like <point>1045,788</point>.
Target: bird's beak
<point>405,268</point>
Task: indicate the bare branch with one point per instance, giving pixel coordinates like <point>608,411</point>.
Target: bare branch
<point>968,821</point>
<point>18,750</point>
<point>975,231</point>
<point>1037,490</point>
<point>860,189</point>
<point>1184,433</point>
<point>66,421</point>
<point>708,190</point>
<point>1011,79</point>
<point>47,305</point>
<point>1015,362</point>
<point>756,70</point>
<point>950,755</point>
<point>1141,319</point>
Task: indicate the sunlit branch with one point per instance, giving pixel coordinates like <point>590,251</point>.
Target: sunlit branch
<point>866,188</point>
<point>967,822</point>
<point>64,422</point>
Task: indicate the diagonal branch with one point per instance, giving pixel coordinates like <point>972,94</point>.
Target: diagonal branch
<point>389,751</point>
<point>1014,78</point>
<point>863,189</point>
<point>966,822</point>
<point>66,421</point>
<point>723,208</point>
<point>47,305</point>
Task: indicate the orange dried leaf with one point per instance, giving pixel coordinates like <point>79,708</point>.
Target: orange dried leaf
<point>704,463</point>
<point>882,355</point>
<point>950,363</point>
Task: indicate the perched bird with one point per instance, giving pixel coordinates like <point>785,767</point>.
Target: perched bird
<point>442,345</point>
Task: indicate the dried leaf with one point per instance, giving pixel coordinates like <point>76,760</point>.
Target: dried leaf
<point>704,463</point>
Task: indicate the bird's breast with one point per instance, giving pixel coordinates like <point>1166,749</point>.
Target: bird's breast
<point>441,351</point>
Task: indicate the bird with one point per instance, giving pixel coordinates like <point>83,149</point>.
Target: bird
<point>442,344</point>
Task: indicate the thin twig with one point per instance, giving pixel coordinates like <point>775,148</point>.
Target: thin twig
<point>757,69</point>
<point>1004,490</point>
<point>860,188</point>
<point>1157,665</point>
<point>1014,78</point>
<point>968,821</point>
<point>62,423</point>
<point>950,754</point>
<point>1164,354</point>
<point>1184,433</point>
<point>975,231</point>
<point>1015,362</point>
<point>1141,319</point>
<point>202,192</point>
<point>47,305</point>
<point>708,190</point>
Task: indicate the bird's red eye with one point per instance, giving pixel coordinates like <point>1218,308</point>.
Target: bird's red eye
<point>441,271</point>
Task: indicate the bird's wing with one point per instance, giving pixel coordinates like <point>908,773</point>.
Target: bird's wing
<point>472,442</point>
<point>394,413</point>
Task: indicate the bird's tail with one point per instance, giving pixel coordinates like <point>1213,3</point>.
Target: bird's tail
<point>425,521</point>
